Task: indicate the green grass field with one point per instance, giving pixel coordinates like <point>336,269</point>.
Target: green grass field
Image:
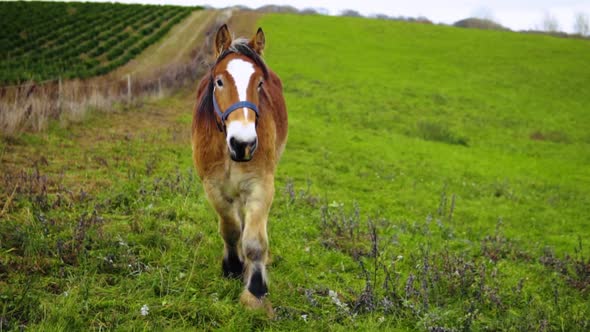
<point>48,40</point>
<point>435,179</point>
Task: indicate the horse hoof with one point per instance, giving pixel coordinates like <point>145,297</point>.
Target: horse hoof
<point>251,302</point>
<point>232,268</point>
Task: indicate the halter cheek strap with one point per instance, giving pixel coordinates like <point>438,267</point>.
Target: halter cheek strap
<point>233,107</point>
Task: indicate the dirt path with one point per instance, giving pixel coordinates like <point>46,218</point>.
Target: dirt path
<point>175,47</point>
<point>243,23</point>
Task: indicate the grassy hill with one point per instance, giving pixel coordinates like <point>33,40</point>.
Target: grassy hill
<point>45,40</point>
<point>435,179</point>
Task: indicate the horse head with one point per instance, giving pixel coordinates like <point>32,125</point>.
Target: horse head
<point>237,80</point>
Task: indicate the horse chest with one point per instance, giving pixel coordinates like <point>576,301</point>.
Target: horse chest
<point>237,185</point>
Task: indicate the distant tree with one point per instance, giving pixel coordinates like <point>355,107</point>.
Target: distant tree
<point>582,24</point>
<point>423,20</point>
<point>479,23</point>
<point>309,11</point>
<point>381,16</point>
<point>549,23</point>
<point>350,13</point>
<point>241,7</point>
<point>277,9</point>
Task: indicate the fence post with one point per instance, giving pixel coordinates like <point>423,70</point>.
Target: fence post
<point>159,87</point>
<point>59,94</point>
<point>128,88</point>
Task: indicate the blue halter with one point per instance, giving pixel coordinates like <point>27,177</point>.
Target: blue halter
<point>233,107</point>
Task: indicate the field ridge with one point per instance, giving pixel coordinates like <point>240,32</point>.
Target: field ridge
<point>69,46</point>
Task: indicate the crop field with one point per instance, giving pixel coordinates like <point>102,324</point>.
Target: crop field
<point>44,40</point>
<point>435,179</point>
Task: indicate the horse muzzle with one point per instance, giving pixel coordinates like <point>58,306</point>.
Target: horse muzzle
<point>242,151</point>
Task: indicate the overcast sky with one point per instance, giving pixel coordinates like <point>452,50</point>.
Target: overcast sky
<point>515,14</point>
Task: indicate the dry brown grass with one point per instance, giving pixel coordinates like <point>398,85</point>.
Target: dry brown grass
<point>31,106</point>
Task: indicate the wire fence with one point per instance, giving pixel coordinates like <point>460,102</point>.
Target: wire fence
<point>30,106</point>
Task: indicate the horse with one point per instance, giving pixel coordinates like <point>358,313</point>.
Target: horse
<point>239,132</point>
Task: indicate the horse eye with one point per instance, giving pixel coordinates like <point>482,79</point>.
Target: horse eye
<point>219,83</point>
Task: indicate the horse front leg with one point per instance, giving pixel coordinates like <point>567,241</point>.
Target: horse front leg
<point>232,264</point>
<point>230,228</point>
<point>255,244</point>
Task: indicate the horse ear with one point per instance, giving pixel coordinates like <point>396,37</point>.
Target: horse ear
<point>258,41</point>
<point>222,40</point>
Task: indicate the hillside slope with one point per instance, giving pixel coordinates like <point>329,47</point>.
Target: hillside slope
<point>175,48</point>
<point>435,179</point>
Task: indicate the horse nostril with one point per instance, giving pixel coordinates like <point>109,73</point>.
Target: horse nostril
<point>232,143</point>
<point>242,150</point>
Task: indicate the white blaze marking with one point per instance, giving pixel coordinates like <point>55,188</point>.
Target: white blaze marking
<point>243,132</point>
<point>241,71</point>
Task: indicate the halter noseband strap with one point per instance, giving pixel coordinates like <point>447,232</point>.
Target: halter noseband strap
<point>233,107</point>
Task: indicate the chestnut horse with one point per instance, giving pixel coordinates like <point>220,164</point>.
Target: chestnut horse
<point>238,135</point>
